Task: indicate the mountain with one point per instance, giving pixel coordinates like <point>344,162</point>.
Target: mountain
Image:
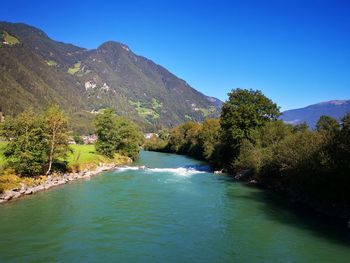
<point>310,114</point>
<point>36,71</point>
<point>217,103</point>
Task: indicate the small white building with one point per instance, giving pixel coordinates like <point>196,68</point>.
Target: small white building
<point>150,135</point>
<point>90,85</point>
<point>91,139</point>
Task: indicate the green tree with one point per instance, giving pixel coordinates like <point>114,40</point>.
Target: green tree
<point>183,139</point>
<point>327,124</point>
<point>56,130</point>
<point>26,150</point>
<point>130,137</point>
<point>163,134</point>
<point>107,135</point>
<point>301,127</point>
<point>209,138</point>
<point>242,113</point>
<point>256,154</point>
<point>342,153</point>
<point>77,138</point>
<point>117,134</point>
<point>156,144</point>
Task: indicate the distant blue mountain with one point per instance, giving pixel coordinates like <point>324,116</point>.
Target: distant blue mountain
<point>310,114</point>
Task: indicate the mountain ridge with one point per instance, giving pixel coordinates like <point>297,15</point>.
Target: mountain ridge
<point>89,80</point>
<point>311,113</point>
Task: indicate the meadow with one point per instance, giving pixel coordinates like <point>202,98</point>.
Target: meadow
<point>86,157</point>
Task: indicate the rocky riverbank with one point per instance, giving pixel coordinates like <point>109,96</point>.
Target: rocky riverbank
<point>52,181</point>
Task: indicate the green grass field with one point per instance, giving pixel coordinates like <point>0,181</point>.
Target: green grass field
<point>155,104</point>
<point>83,156</point>
<point>51,63</point>
<point>74,69</point>
<point>11,40</point>
<point>146,112</point>
<point>207,112</point>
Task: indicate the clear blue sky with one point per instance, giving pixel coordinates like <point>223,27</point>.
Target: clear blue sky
<point>296,52</point>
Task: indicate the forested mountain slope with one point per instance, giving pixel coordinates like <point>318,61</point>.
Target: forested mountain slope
<point>36,71</point>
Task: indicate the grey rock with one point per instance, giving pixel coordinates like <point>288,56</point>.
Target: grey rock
<point>28,192</point>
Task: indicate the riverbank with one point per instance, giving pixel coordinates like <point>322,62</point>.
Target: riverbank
<point>83,162</point>
<point>47,182</point>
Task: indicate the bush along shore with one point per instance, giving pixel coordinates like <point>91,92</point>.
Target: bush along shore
<point>55,179</point>
<point>306,166</point>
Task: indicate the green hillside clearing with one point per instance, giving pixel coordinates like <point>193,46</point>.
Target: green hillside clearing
<point>74,69</point>
<point>10,40</point>
<point>51,63</point>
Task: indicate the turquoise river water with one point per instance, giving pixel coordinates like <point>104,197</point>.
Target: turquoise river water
<point>164,213</point>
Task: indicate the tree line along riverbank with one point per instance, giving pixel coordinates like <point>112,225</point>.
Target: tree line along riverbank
<point>248,141</point>
<point>35,153</point>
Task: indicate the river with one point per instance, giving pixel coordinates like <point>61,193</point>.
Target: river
<point>164,214</point>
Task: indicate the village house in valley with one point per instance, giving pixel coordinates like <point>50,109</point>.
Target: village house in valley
<point>150,135</point>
